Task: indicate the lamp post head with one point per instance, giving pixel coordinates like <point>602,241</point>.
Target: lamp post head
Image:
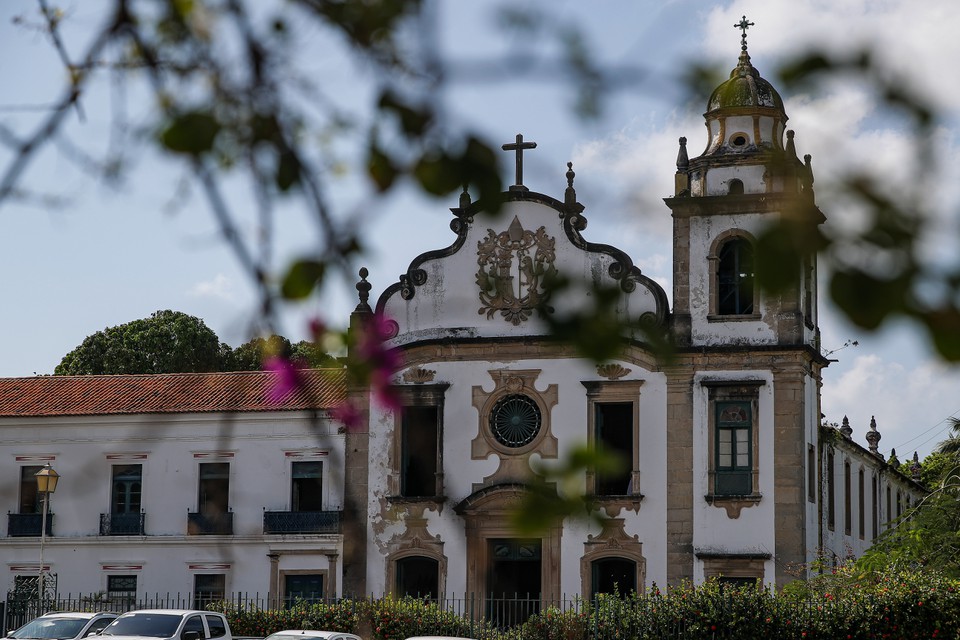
<point>47,479</point>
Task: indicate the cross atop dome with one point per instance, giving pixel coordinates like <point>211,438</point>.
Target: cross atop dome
<point>743,25</point>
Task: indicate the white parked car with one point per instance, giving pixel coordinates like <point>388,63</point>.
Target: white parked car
<point>168,624</point>
<point>311,634</point>
<point>63,626</point>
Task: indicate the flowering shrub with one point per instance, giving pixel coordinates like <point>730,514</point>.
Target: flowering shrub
<point>895,604</point>
<point>344,615</point>
<point>392,619</point>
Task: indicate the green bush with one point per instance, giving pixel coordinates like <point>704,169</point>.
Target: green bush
<point>845,603</point>
<point>344,615</point>
<point>396,619</point>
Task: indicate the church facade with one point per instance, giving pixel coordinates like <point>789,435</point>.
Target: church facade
<point>196,484</point>
<point>724,463</point>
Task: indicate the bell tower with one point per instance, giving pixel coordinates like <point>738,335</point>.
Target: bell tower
<point>745,179</point>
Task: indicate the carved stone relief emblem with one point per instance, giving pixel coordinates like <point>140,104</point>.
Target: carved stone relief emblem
<point>516,267</point>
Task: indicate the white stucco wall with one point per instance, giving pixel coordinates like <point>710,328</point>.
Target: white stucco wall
<point>568,423</point>
<point>448,302</point>
<point>259,448</point>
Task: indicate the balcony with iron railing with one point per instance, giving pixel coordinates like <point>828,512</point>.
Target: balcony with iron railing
<point>27,524</point>
<point>279,522</point>
<point>122,524</point>
<point>206,524</point>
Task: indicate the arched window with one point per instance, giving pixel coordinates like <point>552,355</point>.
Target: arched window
<point>735,284</point>
<point>613,575</point>
<point>418,576</point>
<point>735,187</point>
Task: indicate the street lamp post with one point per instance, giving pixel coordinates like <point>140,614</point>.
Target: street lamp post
<point>46,484</point>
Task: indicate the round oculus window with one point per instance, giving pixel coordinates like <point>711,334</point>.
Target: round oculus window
<point>515,421</point>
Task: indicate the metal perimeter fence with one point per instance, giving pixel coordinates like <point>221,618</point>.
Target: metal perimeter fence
<point>484,618</point>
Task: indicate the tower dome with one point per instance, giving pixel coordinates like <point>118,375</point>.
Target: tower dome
<point>745,89</point>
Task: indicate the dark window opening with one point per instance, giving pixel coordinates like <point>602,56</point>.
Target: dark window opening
<point>831,498</point>
<point>861,515</point>
<point>307,486</point>
<point>122,589</point>
<point>735,278</point>
<point>513,580</point>
<point>127,488</point>
<point>614,438</point>
<point>736,582</point>
<point>616,576</point>
<point>418,576</point>
<point>306,587</point>
<point>739,141</point>
<point>811,473</point>
<point>735,187</point>
<point>419,451</point>
<point>847,501</point>
<point>29,496</point>
<point>734,455</point>
<point>208,588</point>
<point>889,508</point>
<point>214,488</point>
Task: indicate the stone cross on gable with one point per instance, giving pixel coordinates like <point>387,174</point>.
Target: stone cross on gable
<point>519,146</point>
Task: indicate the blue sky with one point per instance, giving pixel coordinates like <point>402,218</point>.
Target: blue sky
<point>103,254</point>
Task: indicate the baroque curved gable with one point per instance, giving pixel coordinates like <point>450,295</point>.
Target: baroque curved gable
<point>499,276</point>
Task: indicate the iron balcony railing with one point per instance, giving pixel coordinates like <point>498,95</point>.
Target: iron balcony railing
<point>210,524</point>
<point>27,524</point>
<point>122,524</point>
<point>275,522</point>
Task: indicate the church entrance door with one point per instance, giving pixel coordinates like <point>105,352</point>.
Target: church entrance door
<point>513,580</point>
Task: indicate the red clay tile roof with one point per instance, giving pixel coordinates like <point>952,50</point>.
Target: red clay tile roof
<point>166,393</point>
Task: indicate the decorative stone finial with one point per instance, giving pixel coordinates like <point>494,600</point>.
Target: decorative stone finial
<point>846,429</point>
<point>915,467</point>
<point>683,162</point>
<point>570,195</point>
<point>363,291</point>
<point>893,461</point>
<point>791,145</point>
<point>807,178</point>
<point>873,437</point>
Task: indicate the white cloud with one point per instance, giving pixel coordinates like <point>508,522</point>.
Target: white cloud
<point>908,401</point>
<point>219,287</point>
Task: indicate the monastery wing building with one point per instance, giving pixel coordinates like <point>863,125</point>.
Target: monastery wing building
<point>196,484</point>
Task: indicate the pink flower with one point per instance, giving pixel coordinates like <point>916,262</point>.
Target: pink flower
<point>378,360</point>
<point>285,379</point>
<point>348,415</point>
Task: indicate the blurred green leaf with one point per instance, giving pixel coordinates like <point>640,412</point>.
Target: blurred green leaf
<point>381,168</point>
<point>193,132</point>
<point>301,279</point>
<point>288,171</point>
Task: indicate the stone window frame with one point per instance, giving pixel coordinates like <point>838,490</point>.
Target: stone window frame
<point>614,391</point>
<point>416,395</point>
<point>278,575</point>
<point>324,573</point>
<point>733,390</point>
<point>733,565</point>
<point>611,542</point>
<point>713,261</point>
<point>509,382</point>
<point>488,514</point>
